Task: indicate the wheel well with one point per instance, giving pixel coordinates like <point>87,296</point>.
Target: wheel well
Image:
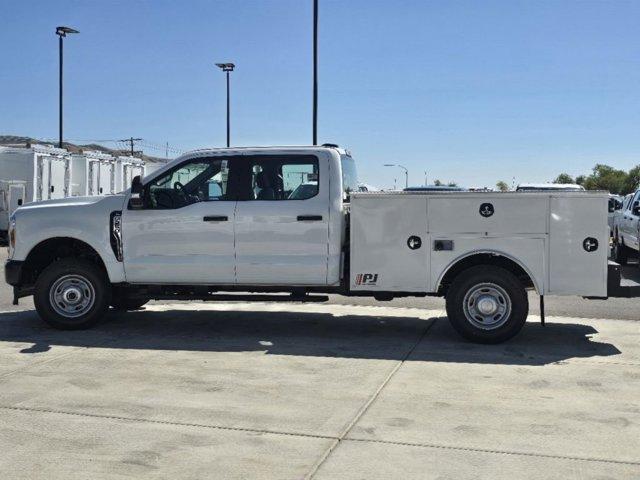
<point>485,259</point>
<point>52,249</point>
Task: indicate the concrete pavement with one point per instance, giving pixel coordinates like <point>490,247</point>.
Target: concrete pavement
<point>316,391</point>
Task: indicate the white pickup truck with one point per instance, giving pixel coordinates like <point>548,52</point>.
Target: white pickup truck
<point>626,228</point>
<point>289,219</point>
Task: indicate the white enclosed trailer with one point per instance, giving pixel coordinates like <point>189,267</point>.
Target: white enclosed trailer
<point>94,173</point>
<point>126,169</point>
<point>12,195</point>
<point>45,170</point>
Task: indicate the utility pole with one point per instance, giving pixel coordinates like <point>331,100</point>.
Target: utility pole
<point>315,72</point>
<point>131,141</point>
<point>425,178</point>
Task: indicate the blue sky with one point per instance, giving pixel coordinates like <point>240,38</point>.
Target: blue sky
<point>471,91</point>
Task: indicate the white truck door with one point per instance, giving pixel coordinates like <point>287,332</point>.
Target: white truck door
<point>93,177</point>
<point>633,224</point>
<point>42,177</point>
<point>184,234</point>
<point>105,178</point>
<point>282,224</point>
<point>57,178</point>
<point>17,195</point>
<point>629,223</point>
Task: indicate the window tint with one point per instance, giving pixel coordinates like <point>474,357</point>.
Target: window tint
<point>284,178</point>
<point>201,180</point>
<point>349,176</point>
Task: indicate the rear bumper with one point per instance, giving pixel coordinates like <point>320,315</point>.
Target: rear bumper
<point>13,272</point>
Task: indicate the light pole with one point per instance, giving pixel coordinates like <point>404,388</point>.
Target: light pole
<point>406,172</point>
<point>227,68</point>
<point>315,72</point>
<point>61,32</point>
<point>425,178</point>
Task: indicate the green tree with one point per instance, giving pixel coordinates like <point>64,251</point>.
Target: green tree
<point>452,184</point>
<point>633,180</point>
<point>502,186</point>
<point>564,178</point>
<point>605,177</point>
<point>437,182</point>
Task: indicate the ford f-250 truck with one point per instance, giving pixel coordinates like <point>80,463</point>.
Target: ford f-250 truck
<point>289,219</point>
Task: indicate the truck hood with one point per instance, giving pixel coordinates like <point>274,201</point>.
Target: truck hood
<point>73,202</point>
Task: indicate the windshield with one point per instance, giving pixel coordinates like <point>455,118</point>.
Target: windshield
<point>349,176</point>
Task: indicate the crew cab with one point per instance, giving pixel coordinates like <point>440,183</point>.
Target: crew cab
<point>290,219</point>
<point>626,233</point>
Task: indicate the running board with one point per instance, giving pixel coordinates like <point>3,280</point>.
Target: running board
<point>245,298</point>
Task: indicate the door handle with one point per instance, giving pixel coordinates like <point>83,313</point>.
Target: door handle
<point>216,218</point>
<point>309,218</point>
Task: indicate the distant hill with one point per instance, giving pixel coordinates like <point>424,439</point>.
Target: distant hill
<point>18,141</point>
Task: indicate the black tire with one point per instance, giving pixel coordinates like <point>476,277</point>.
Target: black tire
<point>620,252</point>
<point>57,280</point>
<point>498,287</point>
<point>124,303</point>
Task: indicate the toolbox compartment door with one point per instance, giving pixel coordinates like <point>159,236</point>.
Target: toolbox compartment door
<point>382,256</point>
<point>492,214</point>
<point>576,265</point>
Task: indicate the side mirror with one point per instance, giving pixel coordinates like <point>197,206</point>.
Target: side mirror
<point>136,201</point>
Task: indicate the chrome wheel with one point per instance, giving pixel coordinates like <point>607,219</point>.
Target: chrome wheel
<point>72,296</point>
<point>487,306</point>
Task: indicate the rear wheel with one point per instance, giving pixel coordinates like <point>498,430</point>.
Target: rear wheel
<point>487,304</point>
<point>620,251</point>
<point>72,294</point>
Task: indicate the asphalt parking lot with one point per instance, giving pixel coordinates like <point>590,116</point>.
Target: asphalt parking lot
<point>325,391</point>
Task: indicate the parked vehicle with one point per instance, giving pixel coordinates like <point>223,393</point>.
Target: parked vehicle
<point>434,188</point>
<point>45,171</point>
<point>223,220</point>
<point>12,195</point>
<point>627,229</point>
<point>615,205</point>
<point>541,187</point>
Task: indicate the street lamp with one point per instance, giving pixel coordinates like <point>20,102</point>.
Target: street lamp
<point>315,73</point>
<point>227,68</point>
<point>406,172</point>
<point>61,32</point>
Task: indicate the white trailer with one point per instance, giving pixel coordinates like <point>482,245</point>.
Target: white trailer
<point>94,173</point>
<point>45,170</point>
<point>151,167</point>
<point>127,168</point>
<point>12,196</point>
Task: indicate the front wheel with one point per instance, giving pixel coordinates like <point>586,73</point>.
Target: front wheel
<point>487,304</point>
<point>72,294</point>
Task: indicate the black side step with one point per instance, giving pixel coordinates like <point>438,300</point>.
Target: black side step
<point>245,298</point>
<point>614,283</point>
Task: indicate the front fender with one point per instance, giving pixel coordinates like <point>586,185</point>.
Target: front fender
<point>85,221</point>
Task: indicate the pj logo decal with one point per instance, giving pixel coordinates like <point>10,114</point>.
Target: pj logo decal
<point>366,278</point>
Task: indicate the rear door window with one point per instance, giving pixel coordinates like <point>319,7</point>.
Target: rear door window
<point>286,177</point>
